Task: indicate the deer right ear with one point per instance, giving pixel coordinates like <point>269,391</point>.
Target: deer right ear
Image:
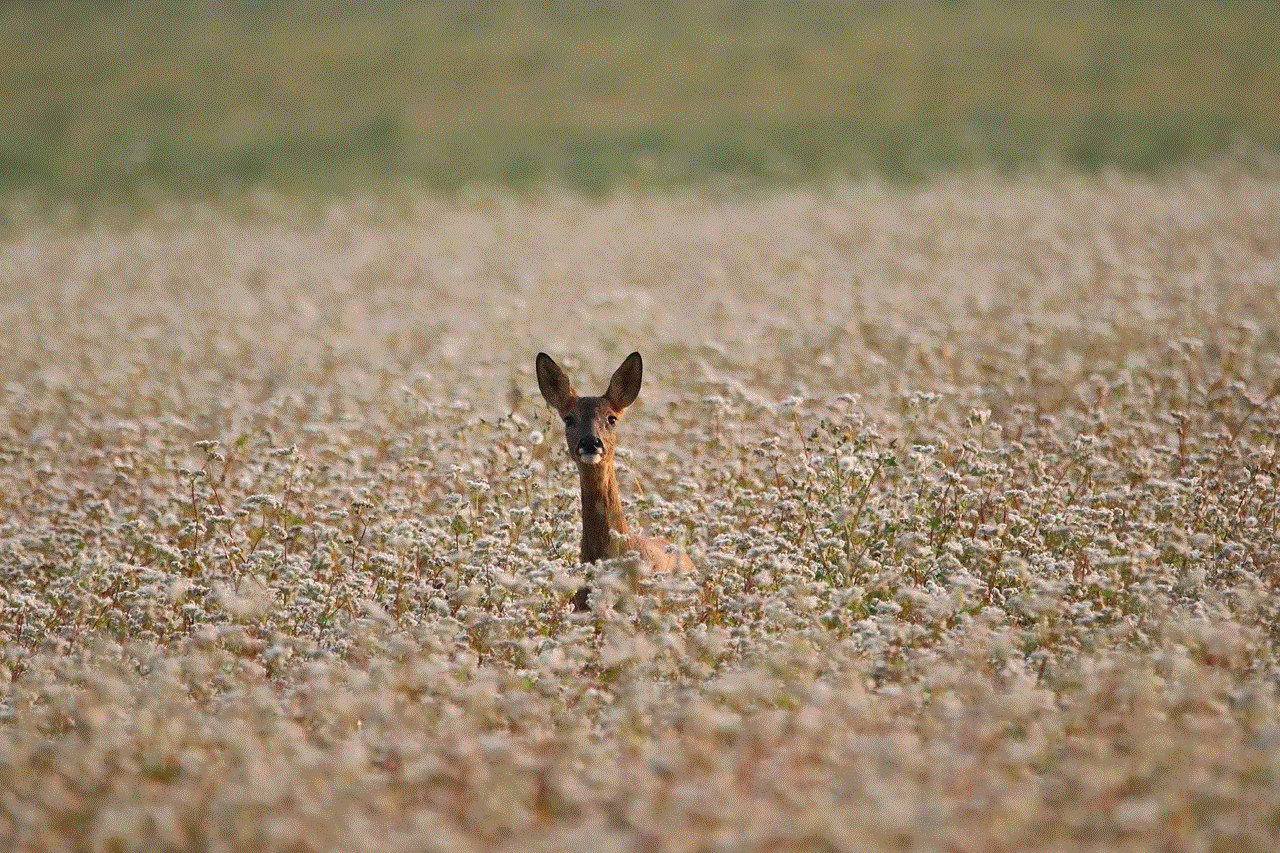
<point>555,386</point>
<point>624,387</point>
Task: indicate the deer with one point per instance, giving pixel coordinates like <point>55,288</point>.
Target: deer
<point>590,437</point>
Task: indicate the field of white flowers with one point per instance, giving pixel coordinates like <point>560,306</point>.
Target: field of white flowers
<point>980,481</point>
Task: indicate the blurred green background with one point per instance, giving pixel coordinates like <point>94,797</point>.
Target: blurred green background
<point>120,101</point>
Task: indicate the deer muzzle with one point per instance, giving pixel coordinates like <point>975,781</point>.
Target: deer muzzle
<point>590,450</point>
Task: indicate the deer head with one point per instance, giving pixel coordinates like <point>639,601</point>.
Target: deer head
<point>589,422</point>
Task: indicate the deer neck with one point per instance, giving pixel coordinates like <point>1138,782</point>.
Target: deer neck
<point>603,527</point>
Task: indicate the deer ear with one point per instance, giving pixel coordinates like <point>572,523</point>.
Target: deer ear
<point>556,388</point>
<point>624,387</point>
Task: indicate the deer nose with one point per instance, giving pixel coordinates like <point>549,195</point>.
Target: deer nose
<point>590,446</point>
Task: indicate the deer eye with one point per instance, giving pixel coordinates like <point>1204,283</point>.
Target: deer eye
<point>613,419</point>
<point>570,420</point>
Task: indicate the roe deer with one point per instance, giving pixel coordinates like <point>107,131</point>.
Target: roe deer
<point>589,434</point>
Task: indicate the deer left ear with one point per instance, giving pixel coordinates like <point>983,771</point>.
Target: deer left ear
<point>624,387</point>
<point>555,386</point>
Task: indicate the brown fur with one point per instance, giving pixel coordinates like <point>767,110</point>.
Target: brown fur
<point>605,532</point>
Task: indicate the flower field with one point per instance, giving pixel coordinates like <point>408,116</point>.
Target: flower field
<point>979,479</point>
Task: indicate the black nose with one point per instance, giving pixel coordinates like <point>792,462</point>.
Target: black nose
<point>590,444</point>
